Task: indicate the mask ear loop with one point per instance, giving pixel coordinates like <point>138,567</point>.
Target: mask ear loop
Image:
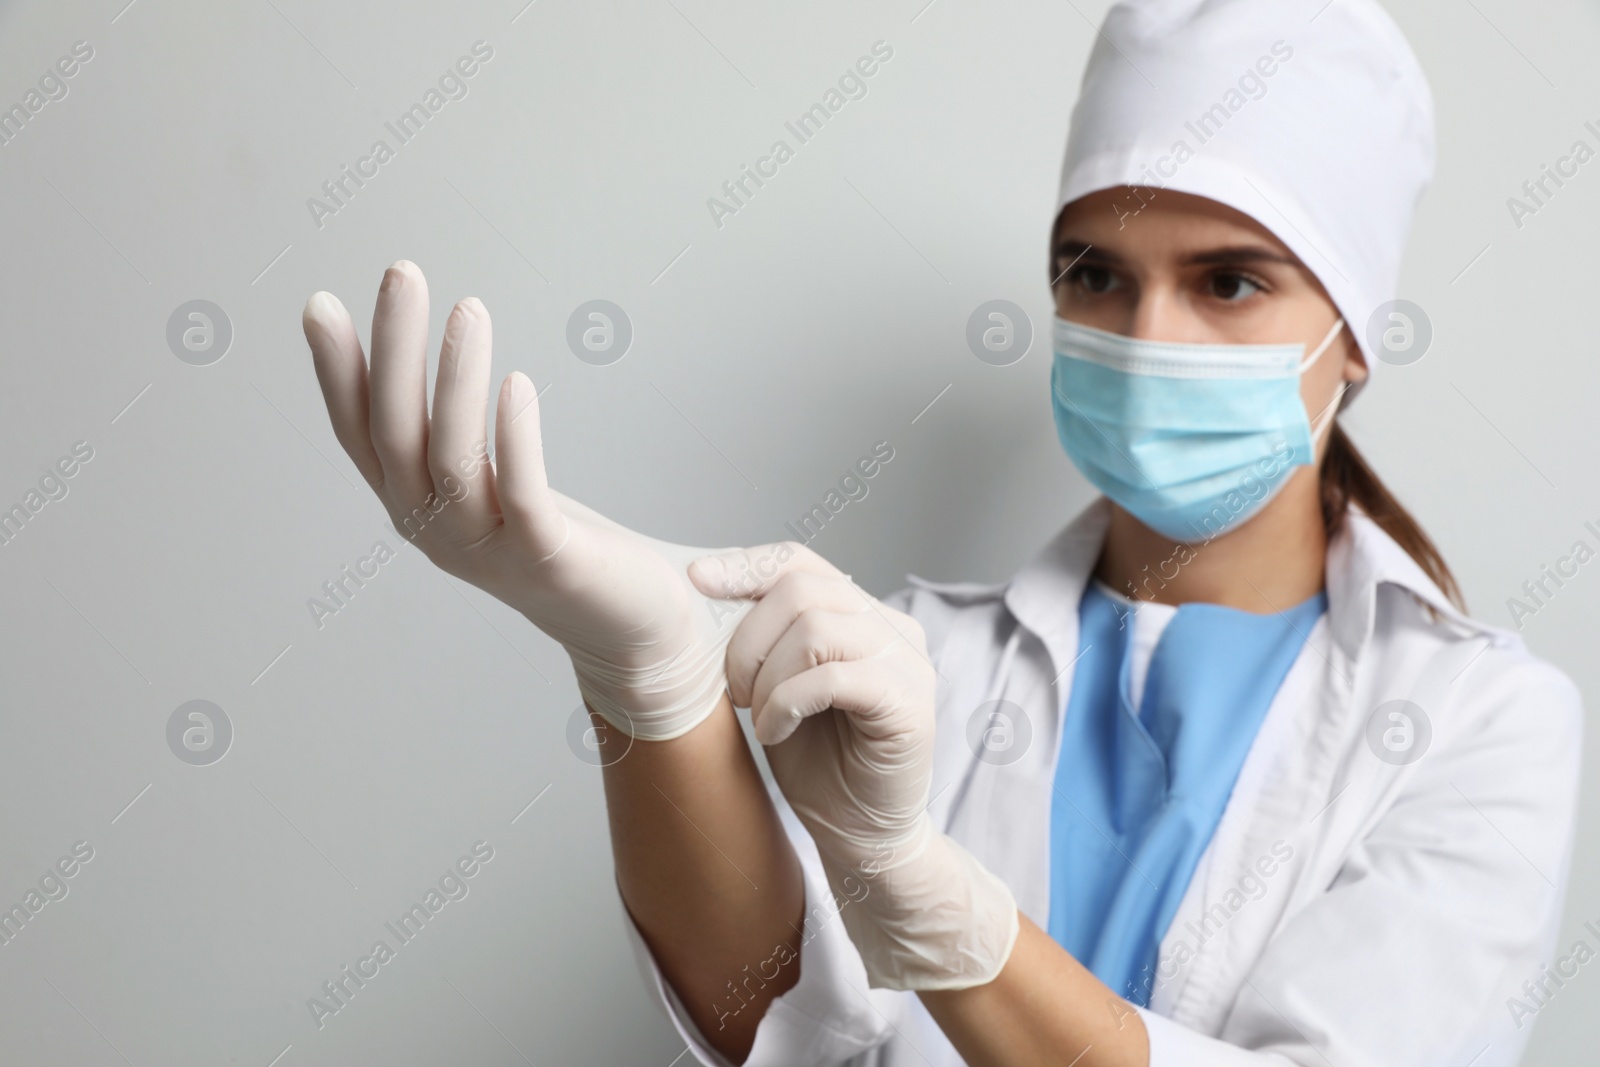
<point>1325,418</point>
<point>1333,331</point>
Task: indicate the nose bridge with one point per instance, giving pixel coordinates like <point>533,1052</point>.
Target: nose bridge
<point>1157,313</point>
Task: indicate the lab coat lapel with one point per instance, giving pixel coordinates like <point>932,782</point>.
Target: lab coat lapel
<point>1201,961</point>
<point>1324,791</point>
<point>1001,808</point>
<point>1044,594</point>
<point>1373,668</point>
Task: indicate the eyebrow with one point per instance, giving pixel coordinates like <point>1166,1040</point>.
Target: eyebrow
<point>1229,254</point>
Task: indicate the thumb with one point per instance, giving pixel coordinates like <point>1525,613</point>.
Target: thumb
<point>750,573</point>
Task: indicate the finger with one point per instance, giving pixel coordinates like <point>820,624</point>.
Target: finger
<point>816,637</point>
<point>526,500</point>
<point>759,631</point>
<point>856,687</point>
<point>342,372</point>
<point>752,572</point>
<point>399,402</point>
<point>458,445</point>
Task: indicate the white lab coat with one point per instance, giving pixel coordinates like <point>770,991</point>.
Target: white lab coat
<point>1347,911</point>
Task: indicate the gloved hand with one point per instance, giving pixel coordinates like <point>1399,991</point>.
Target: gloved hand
<point>647,647</point>
<point>842,694</point>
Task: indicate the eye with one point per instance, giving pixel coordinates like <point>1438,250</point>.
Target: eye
<point>1233,287</point>
<point>1091,279</point>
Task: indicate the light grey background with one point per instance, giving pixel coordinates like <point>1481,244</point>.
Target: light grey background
<point>768,355</point>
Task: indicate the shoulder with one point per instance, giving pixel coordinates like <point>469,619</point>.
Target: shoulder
<point>1522,703</point>
<point>1488,695</point>
<point>1491,684</point>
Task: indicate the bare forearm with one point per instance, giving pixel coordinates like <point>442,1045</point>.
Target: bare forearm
<point>1043,1008</point>
<point>707,873</point>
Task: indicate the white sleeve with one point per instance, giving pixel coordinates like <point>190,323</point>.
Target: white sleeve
<point>830,1015</point>
<point>1418,951</point>
<point>1172,1044</point>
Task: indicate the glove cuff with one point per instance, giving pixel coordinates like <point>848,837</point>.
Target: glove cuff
<point>932,917</point>
<point>661,687</point>
<point>657,703</point>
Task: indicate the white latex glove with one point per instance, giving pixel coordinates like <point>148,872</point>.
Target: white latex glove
<point>842,694</point>
<point>647,647</point>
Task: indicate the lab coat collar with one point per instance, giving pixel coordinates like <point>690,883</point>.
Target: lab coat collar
<point>1360,557</point>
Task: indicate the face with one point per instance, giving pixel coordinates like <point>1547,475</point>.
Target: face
<point>1185,268</point>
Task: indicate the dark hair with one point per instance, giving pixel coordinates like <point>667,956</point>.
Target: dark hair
<point>1346,478</point>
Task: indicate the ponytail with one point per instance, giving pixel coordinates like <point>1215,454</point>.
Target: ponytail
<point>1347,479</point>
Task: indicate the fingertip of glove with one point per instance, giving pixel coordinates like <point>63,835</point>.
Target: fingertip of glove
<point>710,574</point>
<point>321,307</point>
<point>777,725</point>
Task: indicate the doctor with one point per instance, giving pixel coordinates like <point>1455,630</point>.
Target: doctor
<point>1224,775</point>
<point>1268,796</point>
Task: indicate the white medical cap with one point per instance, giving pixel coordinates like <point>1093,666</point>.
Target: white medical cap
<point>1313,118</point>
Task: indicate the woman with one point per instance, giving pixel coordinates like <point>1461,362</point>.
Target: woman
<point>1223,775</point>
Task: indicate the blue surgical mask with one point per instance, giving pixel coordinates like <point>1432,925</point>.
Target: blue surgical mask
<point>1191,439</point>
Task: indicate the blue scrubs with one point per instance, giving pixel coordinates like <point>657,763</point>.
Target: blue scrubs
<point>1139,792</point>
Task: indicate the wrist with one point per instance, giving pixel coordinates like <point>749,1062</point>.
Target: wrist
<point>925,914</point>
<point>660,706</point>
